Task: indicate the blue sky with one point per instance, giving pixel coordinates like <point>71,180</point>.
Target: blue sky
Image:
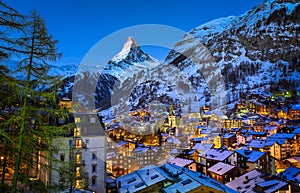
<point>79,24</point>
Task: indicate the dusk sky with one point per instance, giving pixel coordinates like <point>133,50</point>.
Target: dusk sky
<point>78,24</point>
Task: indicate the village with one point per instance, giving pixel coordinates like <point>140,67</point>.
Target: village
<point>258,144</point>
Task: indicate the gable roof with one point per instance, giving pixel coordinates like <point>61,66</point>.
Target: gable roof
<point>221,168</point>
<point>252,156</point>
<point>216,154</point>
<point>246,186</point>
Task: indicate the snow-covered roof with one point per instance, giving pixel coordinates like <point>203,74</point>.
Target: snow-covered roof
<point>131,182</point>
<point>279,141</point>
<point>199,139</point>
<point>202,147</point>
<point>175,151</point>
<point>120,144</point>
<point>296,131</point>
<point>173,140</point>
<point>270,128</point>
<point>271,186</point>
<point>181,162</point>
<point>75,190</point>
<point>216,154</point>
<point>252,156</point>
<point>257,144</point>
<point>296,107</point>
<point>209,182</point>
<point>246,186</point>
<point>292,173</point>
<point>228,135</point>
<point>111,155</point>
<point>283,135</point>
<point>294,159</point>
<point>150,176</point>
<point>221,168</point>
<point>185,185</point>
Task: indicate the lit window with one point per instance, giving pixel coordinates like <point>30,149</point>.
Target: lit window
<point>78,158</point>
<point>78,143</point>
<point>77,132</point>
<point>77,184</point>
<point>77,171</point>
<point>77,119</point>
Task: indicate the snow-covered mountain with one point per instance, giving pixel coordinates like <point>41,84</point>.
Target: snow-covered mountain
<point>213,64</point>
<point>257,48</point>
<point>116,75</point>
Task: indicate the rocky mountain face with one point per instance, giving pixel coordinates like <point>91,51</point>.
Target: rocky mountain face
<point>213,64</point>
<point>258,48</point>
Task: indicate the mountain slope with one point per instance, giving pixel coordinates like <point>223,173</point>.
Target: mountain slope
<point>258,48</point>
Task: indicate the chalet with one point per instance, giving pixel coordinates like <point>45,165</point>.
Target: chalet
<point>246,182</point>
<point>247,160</point>
<point>222,172</point>
<point>168,178</point>
<point>270,129</point>
<point>213,156</point>
<point>294,112</point>
<point>273,185</point>
<point>229,139</point>
<point>184,163</point>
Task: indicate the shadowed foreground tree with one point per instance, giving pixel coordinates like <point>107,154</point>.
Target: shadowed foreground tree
<point>11,26</point>
<point>37,91</point>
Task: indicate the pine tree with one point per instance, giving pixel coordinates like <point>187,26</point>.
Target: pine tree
<point>11,24</point>
<point>38,102</point>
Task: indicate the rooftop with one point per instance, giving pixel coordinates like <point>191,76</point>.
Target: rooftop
<point>221,168</point>
<point>186,179</point>
<point>217,154</point>
<point>186,184</point>
<point>246,182</point>
<point>292,174</point>
<point>228,135</point>
<point>252,156</point>
<point>202,147</point>
<point>181,162</point>
<point>271,186</point>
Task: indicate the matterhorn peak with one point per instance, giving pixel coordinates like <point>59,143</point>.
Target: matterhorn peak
<point>130,45</point>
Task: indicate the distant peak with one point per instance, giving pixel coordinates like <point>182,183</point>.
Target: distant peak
<point>129,45</point>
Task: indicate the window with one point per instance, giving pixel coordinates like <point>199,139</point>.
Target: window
<point>78,158</point>
<point>94,178</point>
<point>94,155</point>
<point>94,167</point>
<point>77,119</point>
<point>61,120</point>
<point>78,184</point>
<point>78,143</point>
<point>92,120</point>
<point>77,132</point>
<point>77,171</point>
<point>62,157</point>
<point>87,141</point>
